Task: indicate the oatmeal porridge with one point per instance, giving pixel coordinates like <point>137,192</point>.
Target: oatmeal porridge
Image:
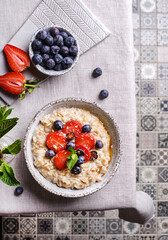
<point>72,148</point>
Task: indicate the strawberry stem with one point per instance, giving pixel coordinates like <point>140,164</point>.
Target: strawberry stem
<point>30,85</point>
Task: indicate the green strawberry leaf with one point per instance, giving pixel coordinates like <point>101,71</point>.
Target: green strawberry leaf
<point>7,175</point>
<point>6,125</point>
<point>72,161</point>
<point>13,149</point>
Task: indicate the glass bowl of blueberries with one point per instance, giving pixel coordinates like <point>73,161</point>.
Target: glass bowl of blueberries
<point>53,51</point>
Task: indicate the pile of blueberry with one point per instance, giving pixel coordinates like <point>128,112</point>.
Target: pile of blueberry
<point>54,49</point>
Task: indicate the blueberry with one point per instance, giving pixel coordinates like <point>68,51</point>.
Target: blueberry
<point>94,155</point>
<point>67,62</point>
<point>73,50</point>
<point>81,160</point>
<point>69,41</point>
<point>97,72</point>
<point>42,64</point>
<point>18,191</point>
<point>45,49</point>
<point>99,144</point>
<point>76,170</point>
<point>70,136</point>
<point>58,67</point>
<point>50,153</point>
<point>58,125</point>
<point>80,152</point>
<point>45,57</point>
<point>54,31</point>
<point>103,94</point>
<point>64,51</point>
<point>58,58</point>
<point>37,59</point>
<point>41,35</point>
<point>58,40</point>
<point>50,63</point>
<point>64,34</point>
<point>70,144</point>
<point>36,44</point>
<point>49,40</point>
<point>86,128</point>
<point>55,49</point>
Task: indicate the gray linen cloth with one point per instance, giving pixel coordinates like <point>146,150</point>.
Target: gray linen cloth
<point>115,56</point>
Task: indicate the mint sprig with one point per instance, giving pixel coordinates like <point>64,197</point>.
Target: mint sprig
<point>7,174</point>
<point>72,158</point>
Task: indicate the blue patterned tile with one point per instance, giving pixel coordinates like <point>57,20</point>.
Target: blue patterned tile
<point>149,228</point>
<point>148,89</point>
<point>148,37</point>
<point>148,6</point>
<point>162,237</point>
<point>96,226</point>
<point>62,225</point>
<point>45,226</point>
<point>148,157</point>
<point>148,21</point>
<point>10,225</point>
<point>130,228</point>
<point>162,225</point>
<point>28,237</point>
<point>150,189</point>
<point>162,191</point>
<point>113,226</point>
<point>96,214</point>
<point>148,174</point>
<point>162,6</point>
<point>163,140</point>
<point>163,175</point>
<point>162,21</point>
<point>79,226</point>
<point>163,105</point>
<point>148,123</point>
<point>11,237</point>
<point>162,37</point>
<point>28,225</point>
<point>163,71</point>
<point>162,209</point>
<point>130,237</point>
<point>44,237</point>
<point>148,54</point>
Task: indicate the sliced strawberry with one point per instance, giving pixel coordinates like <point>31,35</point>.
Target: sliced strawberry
<point>18,59</point>
<point>85,139</point>
<point>13,82</point>
<point>61,159</point>
<point>56,141</point>
<point>72,126</point>
<point>86,150</point>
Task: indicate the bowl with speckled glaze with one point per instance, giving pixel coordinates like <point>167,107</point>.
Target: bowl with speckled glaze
<point>109,124</point>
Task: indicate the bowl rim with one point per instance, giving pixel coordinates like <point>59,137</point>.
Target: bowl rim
<point>114,168</point>
<point>52,72</point>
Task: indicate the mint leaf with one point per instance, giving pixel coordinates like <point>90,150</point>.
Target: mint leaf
<point>2,111</point>
<point>13,149</point>
<point>7,113</point>
<point>6,125</point>
<point>7,175</point>
<point>70,149</point>
<point>72,161</point>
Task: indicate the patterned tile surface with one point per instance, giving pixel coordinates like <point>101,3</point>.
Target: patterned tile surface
<point>150,33</point>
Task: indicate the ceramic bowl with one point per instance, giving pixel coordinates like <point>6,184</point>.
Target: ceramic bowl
<point>52,72</point>
<point>109,123</point>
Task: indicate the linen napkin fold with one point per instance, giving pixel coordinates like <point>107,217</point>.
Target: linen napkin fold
<point>72,15</point>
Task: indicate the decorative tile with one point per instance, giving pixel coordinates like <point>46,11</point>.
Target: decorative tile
<point>137,71</point>
<point>28,237</point>
<point>162,21</point>
<point>163,157</point>
<point>97,226</point>
<point>135,21</point>
<point>96,214</point>
<point>138,157</point>
<point>130,237</point>
<point>162,88</point>
<point>148,37</point>
<point>148,123</point>
<point>163,71</point>
<point>82,237</point>
<point>114,237</point>
<point>45,226</point>
<point>162,209</point>
<point>148,105</point>
<point>148,157</point>
<point>149,227</point>
<point>113,226</point>
<point>137,88</point>
<point>162,237</point>
<point>130,228</point>
<point>11,237</point>
<point>150,189</point>
<point>162,54</point>
<point>28,226</point>
<point>162,191</point>
<point>162,225</point>
<point>162,38</point>
<point>135,6</point>
<point>148,54</point>
<point>62,214</point>
<point>137,174</point>
<point>79,226</point>
<point>45,215</point>
<point>10,225</point>
<point>136,54</point>
<point>163,122</point>
<point>80,214</point>
<point>148,174</point>
<point>163,106</point>
<point>62,226</point>
<point>148,237</point>
<point>148,71</point>
<point>44,237</point>
<point>111,213</point>
<point>148,20</point>
<point>163,140</point>
<point>136,37</point>
<point>148,89</point>
<point>162,6</point>
<point>162,174</point>
<point>147,140</point>
<point>96,237</point>
<point>137,140</point>
<point>148,5</point>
